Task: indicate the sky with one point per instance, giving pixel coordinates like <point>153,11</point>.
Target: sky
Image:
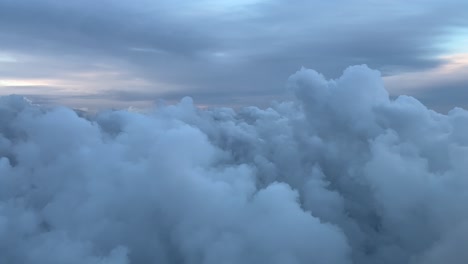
<point>94,54</point>
<point>253,131</point>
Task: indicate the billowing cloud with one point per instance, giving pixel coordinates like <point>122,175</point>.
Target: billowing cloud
<point>341,174</point>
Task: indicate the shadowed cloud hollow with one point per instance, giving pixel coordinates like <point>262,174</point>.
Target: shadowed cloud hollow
<point>342,174</point>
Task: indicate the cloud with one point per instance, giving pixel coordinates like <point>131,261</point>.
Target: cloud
<point>440,88</point>
<point>206,48</point>
<point>341,174</point>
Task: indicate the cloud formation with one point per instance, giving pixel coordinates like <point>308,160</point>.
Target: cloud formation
<point>341,174</point>
<point>213,50</point>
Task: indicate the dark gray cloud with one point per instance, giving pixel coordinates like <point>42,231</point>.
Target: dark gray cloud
<point>443,97</point>
<point>99,26</point>
<point>215,48</point>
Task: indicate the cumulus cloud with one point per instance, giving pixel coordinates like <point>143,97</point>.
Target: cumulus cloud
<point>341,174</point>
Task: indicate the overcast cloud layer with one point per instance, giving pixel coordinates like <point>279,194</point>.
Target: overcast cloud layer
<point>342,174</point>
<point>95,53</point>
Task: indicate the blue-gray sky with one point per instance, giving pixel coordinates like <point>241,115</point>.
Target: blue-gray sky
<point>102,53</point>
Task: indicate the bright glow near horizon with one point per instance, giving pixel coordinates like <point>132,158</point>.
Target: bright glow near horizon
<point>456,41</point>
